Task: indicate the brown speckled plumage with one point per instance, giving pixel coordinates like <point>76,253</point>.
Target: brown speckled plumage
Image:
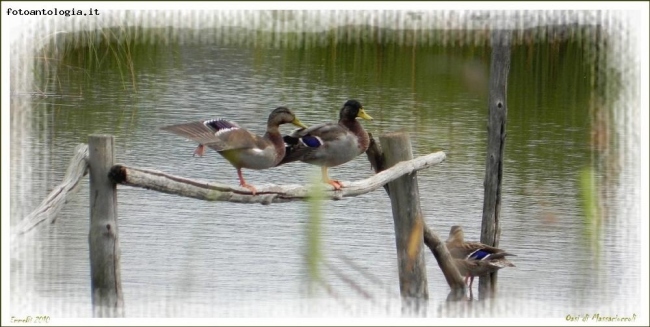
<point>475,259</point>
<point>240,147</point>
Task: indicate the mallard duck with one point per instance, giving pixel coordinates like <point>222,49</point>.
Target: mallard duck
<point>460,249</point>
<point>474,259</point>
<point>330,144</point>
<point>240,147</point>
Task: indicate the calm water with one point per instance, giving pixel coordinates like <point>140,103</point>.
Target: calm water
<point>188,258</point>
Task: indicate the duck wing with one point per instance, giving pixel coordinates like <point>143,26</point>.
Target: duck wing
<point>217,134</point>
<point>317,143</point>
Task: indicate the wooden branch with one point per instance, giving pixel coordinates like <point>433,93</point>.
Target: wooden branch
<point>375,155</point>
<point>266,194</point>
<point>446,264</point>
<point>48,210</point>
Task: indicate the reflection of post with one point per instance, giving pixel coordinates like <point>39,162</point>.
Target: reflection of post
<point>407,216</point>
<point>490,229</point>
<point>106,285</point>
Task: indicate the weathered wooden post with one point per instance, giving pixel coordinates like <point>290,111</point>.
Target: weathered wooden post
<point>377,161</point>
<point>106,284</point>
<point>407,216</point>
<point>490,229</point>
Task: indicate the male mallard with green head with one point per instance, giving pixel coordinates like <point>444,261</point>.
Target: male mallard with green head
<point>330,144</point>
<point>240,147</point>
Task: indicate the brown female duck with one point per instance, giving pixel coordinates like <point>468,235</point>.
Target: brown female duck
<point>474,259</point>
<point>240,147</point>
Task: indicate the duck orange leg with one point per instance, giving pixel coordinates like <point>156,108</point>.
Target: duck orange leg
<point>242,182</point>
<point>199,151</point>
<point>337,185</point>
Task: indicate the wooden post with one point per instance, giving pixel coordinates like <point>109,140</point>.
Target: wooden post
<point>407,215</point>
<point>458,287</point>
<point>490,229</point>
<point>106,284</point>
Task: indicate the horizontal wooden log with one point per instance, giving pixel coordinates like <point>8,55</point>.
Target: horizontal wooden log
<point>48,210</point>
<point>266,194</point>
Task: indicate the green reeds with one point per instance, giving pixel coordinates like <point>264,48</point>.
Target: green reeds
<point>313,251</point>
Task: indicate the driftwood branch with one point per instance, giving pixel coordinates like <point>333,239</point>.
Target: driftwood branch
<point>266,194</point>
<point>431,240</point>
<point>48,210</point>
<point>446,264</point>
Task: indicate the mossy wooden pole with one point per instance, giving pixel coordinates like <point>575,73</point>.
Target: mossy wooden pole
<point>106,284</point>
<point>490,228</point>
<point>407,215</point>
